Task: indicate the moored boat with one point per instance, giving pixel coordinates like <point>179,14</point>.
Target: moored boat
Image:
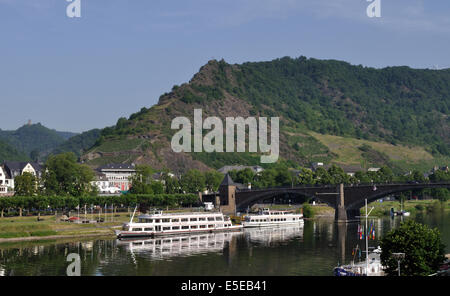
<point>159,223</point>
<point>267,217</point>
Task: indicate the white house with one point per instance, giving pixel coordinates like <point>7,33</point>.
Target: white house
<point>11,169</point>
<point>6,183</point>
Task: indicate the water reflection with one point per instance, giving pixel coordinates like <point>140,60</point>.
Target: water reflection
<point>184,245</point>
<point>271,236</point>
<point>312,248</point>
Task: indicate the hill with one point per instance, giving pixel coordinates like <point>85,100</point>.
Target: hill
<point>79,143</point>
<point>9,153</point>
<point>34,139</point>
<point>398,108</point>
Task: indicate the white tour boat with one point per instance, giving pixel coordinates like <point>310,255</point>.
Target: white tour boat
<point>176,223</point>
<point>267,217</point>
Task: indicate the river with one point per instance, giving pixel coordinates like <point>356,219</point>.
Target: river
<point>313,248</point>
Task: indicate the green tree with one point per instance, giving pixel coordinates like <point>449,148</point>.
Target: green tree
<point>193,181</point>
<point>64,176</point>
<point>337,175</point>
<point>141,181</point>
<point>306,176</point>
<point>25,184</point>
<point>422,246</point>
<point>213,180</point>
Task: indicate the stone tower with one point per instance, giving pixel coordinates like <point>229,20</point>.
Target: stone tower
<point>227,196</point>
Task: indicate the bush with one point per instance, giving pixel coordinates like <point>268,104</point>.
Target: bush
<point>419,207</point>
<point>307,211</point>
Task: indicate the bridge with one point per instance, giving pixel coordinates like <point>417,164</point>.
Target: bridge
<point>345,199</point>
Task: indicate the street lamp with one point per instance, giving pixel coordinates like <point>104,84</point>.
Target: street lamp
<point>399,257</point>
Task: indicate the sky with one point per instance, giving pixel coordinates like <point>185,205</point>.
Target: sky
<point>75,74</point>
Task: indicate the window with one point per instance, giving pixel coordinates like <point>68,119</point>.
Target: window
<point>137,229</point>
<point>193,219</point>
<point>165,220</point>
<point>166,228</point>
<point>194,227</point>
<point>219,219</point>
<point>210,218</point>
<point>202,226</point>
<point>148,229</point>
<point>156,220</point>
<point>175,220</point>
<point>210,226</point>
<point>184,220</point>
<point>176,228</point>
<point>202,219</point>
<point>185,227</point>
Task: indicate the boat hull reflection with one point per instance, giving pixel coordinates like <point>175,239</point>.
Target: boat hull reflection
<point>180,245</point>
<point>272,235</point>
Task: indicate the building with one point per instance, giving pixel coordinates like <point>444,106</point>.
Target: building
<point>115,175</point>
<point>103,185</point>
<point>16,168</point>
<point>226,169</point>
<point>6,183</point>
<point>11,169</point>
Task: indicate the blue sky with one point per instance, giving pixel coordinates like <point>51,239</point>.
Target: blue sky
<point>75,74</point>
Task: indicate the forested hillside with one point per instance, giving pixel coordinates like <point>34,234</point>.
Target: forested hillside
<point>406,110</point>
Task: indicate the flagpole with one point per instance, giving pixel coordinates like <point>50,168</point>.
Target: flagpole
<point>367,244</point>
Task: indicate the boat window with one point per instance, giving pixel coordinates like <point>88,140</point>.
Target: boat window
<point>218,218</point>
<point>166,228</point>
<point>175,220</point>
<point>210,226</point>
<point>202,226</point>
<point>148,229</point>
<point>175,227</point>
<point>194,227</point>
<point>137,229</point>
<point>193,219</point>
<point>156,220</point>
<point>202,219</point>
<point>165,220</point>
<point>185,227</point>
<point>184,219</point>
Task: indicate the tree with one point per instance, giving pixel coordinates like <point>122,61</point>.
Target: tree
<point>142,180</point>
<point>64,176</point>
<point>337,175</point>
<point>424,252</point>
<point>213,180</point>
<point>193,181</point>
<point>306,176</point>
<point>25,184</point>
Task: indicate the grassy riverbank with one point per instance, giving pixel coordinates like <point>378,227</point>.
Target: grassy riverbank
<point>13,228</point>
<point>382,209</point>
<point>412,206</point>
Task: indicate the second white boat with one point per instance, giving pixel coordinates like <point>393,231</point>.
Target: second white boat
<point>267,217</point>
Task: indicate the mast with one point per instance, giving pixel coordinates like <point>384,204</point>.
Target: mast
<point>132,217</point>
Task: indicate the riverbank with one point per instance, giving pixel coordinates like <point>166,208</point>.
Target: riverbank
<point>13,229</point>
<point>412,206</point>
<point>381,208</point>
